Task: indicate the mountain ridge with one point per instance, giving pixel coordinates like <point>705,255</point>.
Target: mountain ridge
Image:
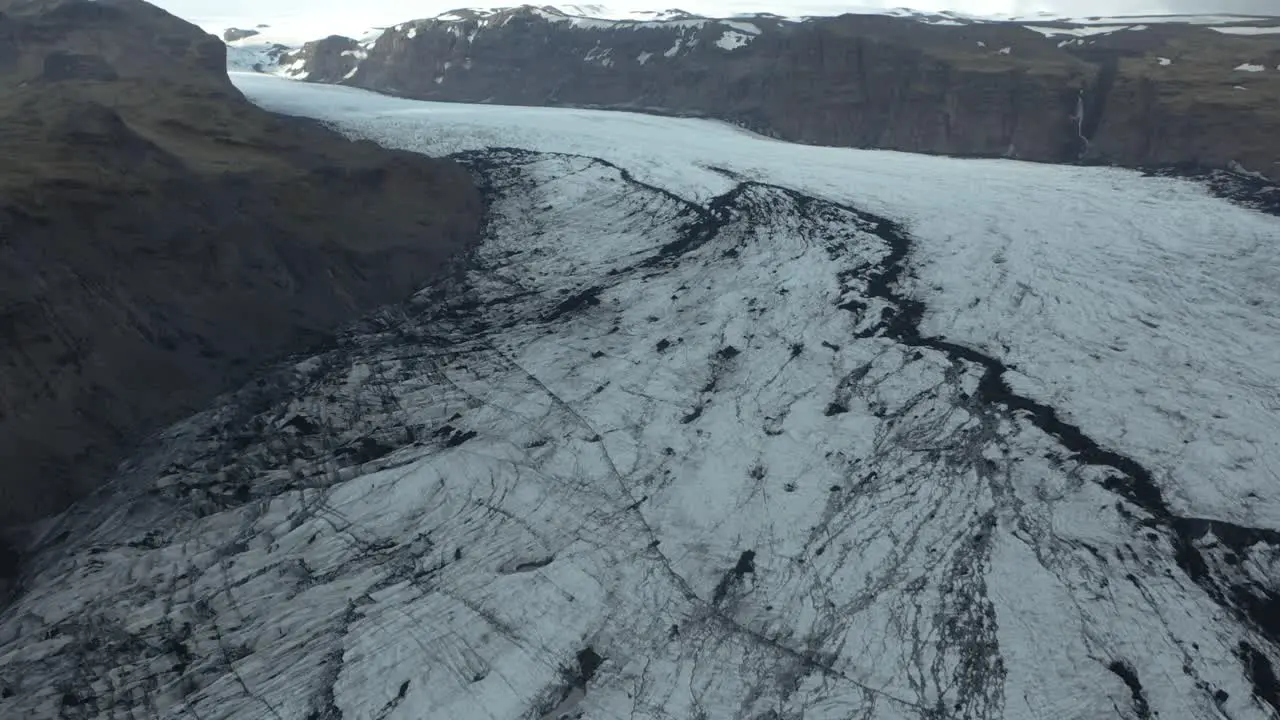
<point>163,236</point>
<point>1192,91</point>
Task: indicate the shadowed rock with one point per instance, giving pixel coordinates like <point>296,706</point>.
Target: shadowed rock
<point>234,34</point>
<point>160,236</point>
<point>60,66</point>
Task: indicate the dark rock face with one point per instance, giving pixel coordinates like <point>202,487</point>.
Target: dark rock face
<point>9,52</point>
<point>333,57</point>
<point>1161,95</point>
<point>160,236</point>
<point>60,66</point>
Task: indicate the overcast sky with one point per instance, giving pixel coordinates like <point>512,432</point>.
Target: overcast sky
<point>312,18</point>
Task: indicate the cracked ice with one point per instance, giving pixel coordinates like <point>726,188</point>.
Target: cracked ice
<point>695,435</point>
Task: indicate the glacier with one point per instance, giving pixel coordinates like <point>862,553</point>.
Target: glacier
<point>714,426</point>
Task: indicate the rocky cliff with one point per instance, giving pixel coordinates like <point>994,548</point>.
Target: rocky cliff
<point>1134,94</point>
<point>160,236</point>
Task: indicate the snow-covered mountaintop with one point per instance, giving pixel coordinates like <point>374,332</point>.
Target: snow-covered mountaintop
<point>292,28</point>
<point>604,12</point>
<point>264,49</point>
<point>293,35</point>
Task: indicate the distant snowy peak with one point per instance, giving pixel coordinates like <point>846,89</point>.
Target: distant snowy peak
<point>942,17</point>
<point>602,17</point>
<point>740,29</point>
<point>587,17</point>
<point>593,12</point>
<point>445,49</point>
<point>268,50</point>
<point>661,14</point>
<point>255,57</point>
<point>604,12</point>
<point>590,15</point>
<point>1182,19</point>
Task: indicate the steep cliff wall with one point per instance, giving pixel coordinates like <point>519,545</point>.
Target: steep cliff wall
<point>160,236</point>
<point>1132,95</point>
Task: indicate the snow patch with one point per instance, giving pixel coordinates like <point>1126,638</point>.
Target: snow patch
<point>1164,61</point>
<point>743,27</point>
<point>587,23</point>
<point>731,40</point>
<point>1249,67</point>
<point>1005,50</point>
<point>1077,31</point>
<point>1271,30</point>
<point>643,57</point>
<point>582,22</point>
<point>600,55</point>
<point>1158,19</point>
<point>256,58</point>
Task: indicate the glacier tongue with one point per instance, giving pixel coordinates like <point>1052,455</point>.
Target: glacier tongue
<point>643,458</point>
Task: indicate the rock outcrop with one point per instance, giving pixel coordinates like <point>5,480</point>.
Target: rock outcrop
<point>234,34</point>
<point>160,236</point>
<point>1157,94</point>
<point>334,57</point>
